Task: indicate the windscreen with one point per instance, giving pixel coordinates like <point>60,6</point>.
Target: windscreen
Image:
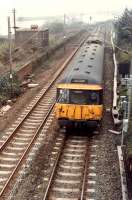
<point>83,97</point>
<point>78,97</point>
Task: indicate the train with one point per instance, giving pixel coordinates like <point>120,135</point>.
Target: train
<point>79,98</point>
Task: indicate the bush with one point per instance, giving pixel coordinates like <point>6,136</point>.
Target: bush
<point>3,100</point>
<point>5,87</point>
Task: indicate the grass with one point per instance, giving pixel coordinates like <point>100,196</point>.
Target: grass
<point>4,45</point>
<point>124,57</point>
<point>4,51</point>
<point>129,139</point>
<point>123,91</point>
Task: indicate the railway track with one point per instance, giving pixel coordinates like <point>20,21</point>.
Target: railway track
<point>79,168</point>
<point>71,176</point>
<point>18,141</point>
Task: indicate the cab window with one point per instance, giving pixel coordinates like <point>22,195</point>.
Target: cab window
<point>78,97</point>
<point>62,96</point>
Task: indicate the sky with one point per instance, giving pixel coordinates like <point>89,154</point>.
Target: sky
<point>28,8</point>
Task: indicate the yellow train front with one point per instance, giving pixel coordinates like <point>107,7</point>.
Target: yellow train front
<point>79,98</point>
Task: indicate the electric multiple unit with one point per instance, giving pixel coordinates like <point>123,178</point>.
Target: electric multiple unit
<point>80,94</point>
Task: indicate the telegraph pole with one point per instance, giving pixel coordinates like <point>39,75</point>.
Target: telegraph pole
<point>90,20</point>
<point>64,33</point>
<point>10,55</point>
<point>14,20</point>
<point>64,24</point>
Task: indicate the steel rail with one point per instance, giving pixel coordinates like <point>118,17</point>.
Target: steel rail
<point>54,170</point>
<point>84,175</point>
<point>38,129</point>
<point>35,104</point>
<point>82,192</point>
<point>27,150</point>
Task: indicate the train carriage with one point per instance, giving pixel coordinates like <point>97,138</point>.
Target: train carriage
<point>80,93</point>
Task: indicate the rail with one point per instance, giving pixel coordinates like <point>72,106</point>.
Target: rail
<point>54,170</point>
<point>55,167</point>
<point>8,140</point>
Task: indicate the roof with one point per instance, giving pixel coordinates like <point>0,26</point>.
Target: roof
<point>87,65</point>
<point>79,86</point>
<point>30,30</point>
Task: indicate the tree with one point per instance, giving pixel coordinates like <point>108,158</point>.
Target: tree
<point>56,27</point>
<point>124,27</point>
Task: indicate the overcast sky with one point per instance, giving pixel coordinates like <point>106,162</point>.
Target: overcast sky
<point>57,7</point>
<point>48,7</point>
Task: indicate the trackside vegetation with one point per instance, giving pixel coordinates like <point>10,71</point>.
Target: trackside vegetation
<point>123,27</point>
<point>9,89</point>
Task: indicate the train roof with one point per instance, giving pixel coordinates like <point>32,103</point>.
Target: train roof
<point>87,66</point>
<point>95,39</point>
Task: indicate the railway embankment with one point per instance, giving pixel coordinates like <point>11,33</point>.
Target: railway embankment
<point>34,63</point>
<point>11,88</point>
<point>42,75</point>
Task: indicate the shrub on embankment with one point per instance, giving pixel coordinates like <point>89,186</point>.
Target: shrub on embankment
<point>6,92</point>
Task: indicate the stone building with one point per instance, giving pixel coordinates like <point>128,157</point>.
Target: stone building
<point>32,36</point>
